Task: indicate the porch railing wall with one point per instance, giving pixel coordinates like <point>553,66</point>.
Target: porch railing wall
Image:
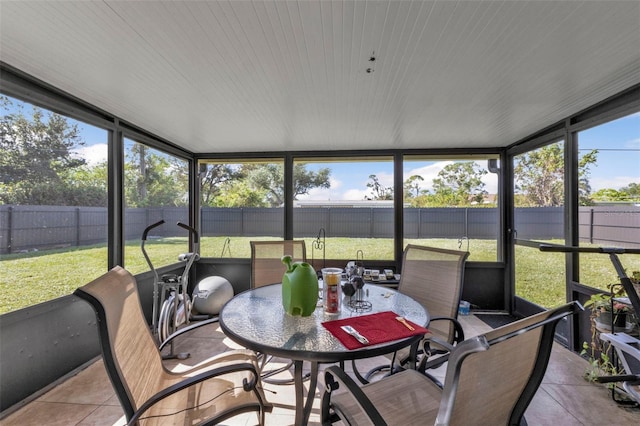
<point>28,228</point>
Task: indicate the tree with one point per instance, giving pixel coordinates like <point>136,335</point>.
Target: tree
<point>460,184</point>
<point>36,157</point>
<point>238,193</point>
<point>378,191</point>
<point>269,178</point>
<point>632,191</point>
<point>609,194</point>
<point>257,185</point>
<point>539,176</point>
<point>153,179</point>
<point>584,187</point>
<point>212,179</point>
<point>412,187</point>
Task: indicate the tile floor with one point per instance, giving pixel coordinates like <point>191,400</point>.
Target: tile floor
<point>87,398</point>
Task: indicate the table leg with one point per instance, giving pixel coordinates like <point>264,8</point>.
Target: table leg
<point>303,407</point>
<point>313,383</point>
<point>299,393</point>
<point>413,355</point>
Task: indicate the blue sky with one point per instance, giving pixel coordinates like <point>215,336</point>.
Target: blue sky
<point>618,163</point>
<point>618,145</point>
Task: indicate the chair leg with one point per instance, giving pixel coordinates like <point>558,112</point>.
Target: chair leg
<point>267,375</point>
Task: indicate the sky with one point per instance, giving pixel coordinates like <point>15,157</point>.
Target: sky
<point>618,143</point>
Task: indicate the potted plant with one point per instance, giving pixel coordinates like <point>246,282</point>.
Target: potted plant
<point>606,312</point>
<point>597,352</point>
<point>635,280</point>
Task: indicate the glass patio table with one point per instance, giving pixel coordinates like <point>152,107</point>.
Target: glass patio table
<point>256,320</point>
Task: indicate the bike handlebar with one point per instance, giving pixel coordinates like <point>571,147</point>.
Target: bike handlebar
<point>149,228</point>
<point>196,238</point>
<point>571,249</point>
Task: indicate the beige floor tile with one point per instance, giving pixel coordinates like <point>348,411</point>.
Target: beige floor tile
<point>50,414</point>
<point>88,398</point>
<point>89,386</point>
<point>591,404</point>
<point>565,367</point>
<point>105,415</point>
<point>546,411</point>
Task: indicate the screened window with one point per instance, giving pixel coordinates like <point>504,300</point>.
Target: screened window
<point>156,188</point>
<point>609,212</point>
<point>343,208</point>
<point>539,217</point>
<point>240,201</point>
<point>53,204</point>
<point>452,203</point>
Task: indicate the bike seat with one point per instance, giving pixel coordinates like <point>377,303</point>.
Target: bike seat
<point>170,278</point>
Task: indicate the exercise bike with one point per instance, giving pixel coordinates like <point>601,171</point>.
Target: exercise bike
<point>171,301</point>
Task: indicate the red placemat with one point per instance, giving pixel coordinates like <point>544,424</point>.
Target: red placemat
<point>377,328</point>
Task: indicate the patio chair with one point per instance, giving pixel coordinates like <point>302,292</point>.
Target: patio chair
<point>267,268</point>
<point>209,392</point>
<point>266,264</point>
<point>490,379</point>
<point>433,277</point>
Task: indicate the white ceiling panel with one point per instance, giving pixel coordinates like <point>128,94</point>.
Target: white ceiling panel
<point>238,76</point>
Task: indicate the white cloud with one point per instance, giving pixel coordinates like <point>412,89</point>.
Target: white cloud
<point>632,144</point>
<point>431,171</point>
<point>428,173</point>
<point>93,154</point>
<point>324,193</point>
<point>614,182</point>
<point>355,194</point>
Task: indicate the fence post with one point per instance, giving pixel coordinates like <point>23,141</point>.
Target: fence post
<point>591,226</point>
<point>242,221</point>
<point>10,230</point>
<point>77,226</point>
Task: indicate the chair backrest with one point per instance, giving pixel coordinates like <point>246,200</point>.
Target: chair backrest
<point>266,264</point>
<point>129,351</point>
<point>433,277</point>
<point>498,383</point>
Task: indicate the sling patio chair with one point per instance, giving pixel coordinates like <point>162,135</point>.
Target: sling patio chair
<point>433,277</point>
<point>266,260</point>
<point>267,268</point>
<point>490,379</point>
<point>210,392</point>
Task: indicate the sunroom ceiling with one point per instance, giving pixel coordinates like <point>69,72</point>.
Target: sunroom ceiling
<point>247,76</point>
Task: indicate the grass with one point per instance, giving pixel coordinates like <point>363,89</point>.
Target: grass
<point>30,278</point>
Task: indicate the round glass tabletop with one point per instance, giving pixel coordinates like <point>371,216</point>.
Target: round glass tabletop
<point>256,319</point>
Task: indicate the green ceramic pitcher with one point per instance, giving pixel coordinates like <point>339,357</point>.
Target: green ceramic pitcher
<point>299,288</point>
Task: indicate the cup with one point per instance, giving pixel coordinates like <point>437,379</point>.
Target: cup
<point>464,308</point>
<point>332,295</point>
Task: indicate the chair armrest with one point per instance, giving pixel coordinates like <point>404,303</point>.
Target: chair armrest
<point>426,363</point>
<point>448,347</point>
<point>458,333</point>
<point>186,330</point>
<point>334,376</point>
<point>434,345</point>
<point>201,377</point>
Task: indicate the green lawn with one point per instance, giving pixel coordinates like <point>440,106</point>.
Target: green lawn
<point>31,278</point>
